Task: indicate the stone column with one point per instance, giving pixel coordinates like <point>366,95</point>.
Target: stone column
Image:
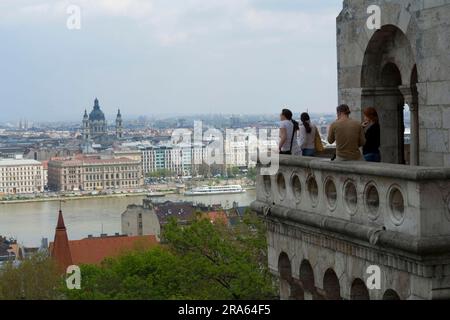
<point>413,107</point>
<point>411,98</point>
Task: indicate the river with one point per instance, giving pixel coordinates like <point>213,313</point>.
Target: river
<point>30,222</point>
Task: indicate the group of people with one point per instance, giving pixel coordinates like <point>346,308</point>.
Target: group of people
<point>303,138</point>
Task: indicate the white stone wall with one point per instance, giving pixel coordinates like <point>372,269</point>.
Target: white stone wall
<point>149,222</point>
<point>349,264</point>
<point>313,215</point>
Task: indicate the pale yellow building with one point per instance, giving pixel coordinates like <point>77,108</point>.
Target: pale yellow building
<point>94,173</point>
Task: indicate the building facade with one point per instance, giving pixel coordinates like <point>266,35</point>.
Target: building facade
<point>94,173</point>
<point>140,220</point>
<point>358,230</point>
<point>20,176</point>
<point>181,160</point>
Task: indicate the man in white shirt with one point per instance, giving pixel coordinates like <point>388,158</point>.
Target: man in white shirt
<point>288,128</point>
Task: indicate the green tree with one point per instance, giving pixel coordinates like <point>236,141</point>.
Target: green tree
<point>199,261</point>
<point>161,173</point>
<point>251,174</point>
<point>233,172</point>
<point>35,278</point>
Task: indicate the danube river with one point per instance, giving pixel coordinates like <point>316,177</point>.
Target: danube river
<point>30,222</point>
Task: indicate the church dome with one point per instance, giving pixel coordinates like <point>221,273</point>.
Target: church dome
<point>96,114</point>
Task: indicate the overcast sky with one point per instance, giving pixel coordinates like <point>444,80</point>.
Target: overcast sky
<point>167,57</point>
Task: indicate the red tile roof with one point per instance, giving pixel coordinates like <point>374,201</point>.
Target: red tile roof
<point>95,250</point>
<point>217,216</point>
<point>45,164</point>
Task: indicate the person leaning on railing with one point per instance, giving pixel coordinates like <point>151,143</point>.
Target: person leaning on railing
<point>348,134</point>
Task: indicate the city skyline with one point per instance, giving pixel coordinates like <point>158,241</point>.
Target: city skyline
<point>150,57</point>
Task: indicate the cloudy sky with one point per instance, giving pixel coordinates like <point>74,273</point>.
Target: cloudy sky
<point>166,57</point>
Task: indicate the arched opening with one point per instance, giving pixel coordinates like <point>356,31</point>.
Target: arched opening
<point>307,280</point>
<point>285,271</point>
<point>386,86</point>
<point>331,286</point>
<point>359,290</point>
<point>391,295</point>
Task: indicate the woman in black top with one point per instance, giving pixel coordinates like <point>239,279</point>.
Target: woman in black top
<point>371,149</point>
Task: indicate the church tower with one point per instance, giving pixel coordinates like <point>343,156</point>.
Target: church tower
<point>60,250</point>
<point>119,125</point>
<point>86,130</point>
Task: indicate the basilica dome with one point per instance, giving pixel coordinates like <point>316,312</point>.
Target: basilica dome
<point>96,114</point>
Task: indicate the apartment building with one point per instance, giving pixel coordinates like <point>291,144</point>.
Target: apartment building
<point>20,176</point>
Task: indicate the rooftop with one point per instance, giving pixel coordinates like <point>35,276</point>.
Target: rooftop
<point>18,162</point>
<point>91,161</point>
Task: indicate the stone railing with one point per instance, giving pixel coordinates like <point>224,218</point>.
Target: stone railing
<point>409,205</point>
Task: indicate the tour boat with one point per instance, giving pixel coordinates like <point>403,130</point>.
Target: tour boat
<point>210,190</point>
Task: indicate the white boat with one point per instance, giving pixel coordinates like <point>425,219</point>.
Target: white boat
<point>210,190</point>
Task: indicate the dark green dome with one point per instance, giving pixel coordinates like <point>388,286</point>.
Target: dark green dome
<point>96,114</point>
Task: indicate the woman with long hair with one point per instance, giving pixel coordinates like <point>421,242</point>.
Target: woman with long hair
<point>288,128</point>
<point>371,125</point>
<point>307,135</point>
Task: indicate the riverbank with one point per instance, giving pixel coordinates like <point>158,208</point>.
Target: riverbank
<point>87,197</point>
<point>100,196</point>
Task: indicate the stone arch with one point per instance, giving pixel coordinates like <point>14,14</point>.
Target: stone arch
<point>285,272</point>
<point>331,285</point>
<point>391,295</point>
<point>359,290</point>
<point>307,279</point>
<point>387,45</point>
<point>386,85</point>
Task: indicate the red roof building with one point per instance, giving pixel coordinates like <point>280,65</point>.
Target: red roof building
<point>93,250</point>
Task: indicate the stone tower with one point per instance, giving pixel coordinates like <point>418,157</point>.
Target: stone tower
<point>362,230</point>
<point>86,131</point>
<point>119,125</point>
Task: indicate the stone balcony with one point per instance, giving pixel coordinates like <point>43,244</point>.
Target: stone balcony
<point>345,217</point>
<point>414,201</point>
